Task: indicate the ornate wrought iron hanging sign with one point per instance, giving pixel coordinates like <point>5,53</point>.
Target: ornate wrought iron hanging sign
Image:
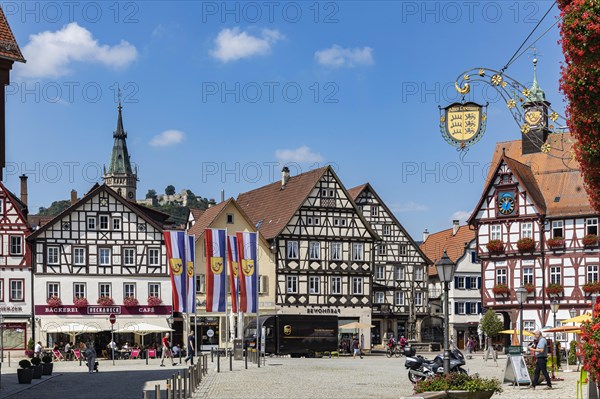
<point>463,124</point>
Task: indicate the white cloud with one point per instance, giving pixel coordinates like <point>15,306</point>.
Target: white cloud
<point>337,56</point>
<point>160,31</point>
<point>410,206</point>
<point>167,138</point>
<point>50,54</point>
<point>300,154</point>
<point>461,216</point>
<point>233,44</point>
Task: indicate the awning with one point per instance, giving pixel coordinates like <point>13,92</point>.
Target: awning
<point>96,324</point>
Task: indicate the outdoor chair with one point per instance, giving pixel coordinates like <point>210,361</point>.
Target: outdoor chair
<point>57,355</point>
<point>77,354</point>
<point>135,353</point>
<point>152,353</point>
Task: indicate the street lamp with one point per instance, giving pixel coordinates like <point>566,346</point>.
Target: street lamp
<point>555,306</point>
<point>445,269</point>
<point>521,294</point>
<point>572,313</point>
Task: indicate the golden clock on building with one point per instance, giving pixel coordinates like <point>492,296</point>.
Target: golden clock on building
<point>534,117</point>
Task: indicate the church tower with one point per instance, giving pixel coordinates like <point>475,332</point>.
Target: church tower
<point>535,131</point>
<point>120,176</point>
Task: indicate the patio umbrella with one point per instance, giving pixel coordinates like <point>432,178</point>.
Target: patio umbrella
<point>143,329</point>
<point>356,325</point>
<point>73,329</point>
<point>579,319</point>
<point>511,332</point>
<point>567,329</point>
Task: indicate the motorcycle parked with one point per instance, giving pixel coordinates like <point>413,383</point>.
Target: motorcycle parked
<point>420,368</point>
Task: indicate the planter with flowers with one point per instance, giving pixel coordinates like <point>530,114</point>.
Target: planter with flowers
<point>80,302</point>
<point>556,243</point>
<point>501,290</point>
<point>526,245</point>
<point>495,246</point>
<point>590,346</point>
<point>25,372</point>
<point>555,289</point>
<point>591,240</point>
<point>54,301</point>
<point>130,301</point>
<point>105,301</point>
<point>154,300</point>
<point>38,369</point>
<point>591,287</point>
<point>530,289</point>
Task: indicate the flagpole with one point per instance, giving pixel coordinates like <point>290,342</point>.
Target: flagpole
<point>258,333</point>
<point>186,246</point>
<point>226,266</point>
<point>195,298</point>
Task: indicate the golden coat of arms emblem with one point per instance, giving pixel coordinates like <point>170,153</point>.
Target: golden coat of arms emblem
<point>216,265</point>
<point>248,267</point>
<point>176,266</point>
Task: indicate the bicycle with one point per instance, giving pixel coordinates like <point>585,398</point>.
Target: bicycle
<point>393,351</point>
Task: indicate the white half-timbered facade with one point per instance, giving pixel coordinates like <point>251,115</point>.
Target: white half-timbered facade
<point>107,251</point>
<point>323,246</point>
<point>15,272</point>
<point>399,274</point>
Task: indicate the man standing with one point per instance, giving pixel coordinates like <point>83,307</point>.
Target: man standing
<point>541,355</point>
<point>166,350</point>
<point>190,348</point>
<point>37,349</point>
<point>90,357</point>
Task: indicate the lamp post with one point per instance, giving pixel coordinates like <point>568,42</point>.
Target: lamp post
<point>554,306</point>
<point>572,313</point>
<point>445,269</point>
<point>521,294</point>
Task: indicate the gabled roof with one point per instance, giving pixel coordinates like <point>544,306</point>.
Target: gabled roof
<point>356,191</point>
<point>557,187</point>
<point>271,208</point>
<point>454,245</point>
<point>9,48</point>
<point>96,190</point>
<point>17,203</point>
<point>208,217</point>
<point>195,213</point>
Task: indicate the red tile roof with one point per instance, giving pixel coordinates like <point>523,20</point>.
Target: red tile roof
<point>454,245</point>
<point>207,218</point>
<point>9,48</point>
<point>196,213</point>
<point>355,191</point>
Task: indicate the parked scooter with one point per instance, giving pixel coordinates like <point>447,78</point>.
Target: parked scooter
<point>420,368</point>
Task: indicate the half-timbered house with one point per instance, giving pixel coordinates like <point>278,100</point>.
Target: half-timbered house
<point>399,275</point>
<point>323,245</point>
<point>228,215</point>
<point>535,226</point>
<point>15,269</point>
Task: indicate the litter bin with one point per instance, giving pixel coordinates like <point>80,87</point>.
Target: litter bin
<point>238,349</point>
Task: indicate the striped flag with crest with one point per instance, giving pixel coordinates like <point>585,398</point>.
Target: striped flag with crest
<point>175,244</point>
<point>232,260</point>
<point>215,244</point>
<point>190,257</point>
<point>248,265</point>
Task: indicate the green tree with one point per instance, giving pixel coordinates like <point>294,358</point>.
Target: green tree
<point>151,193</point>
<point>491,325</point>
<point>54,209</point>
<point>170,189</point>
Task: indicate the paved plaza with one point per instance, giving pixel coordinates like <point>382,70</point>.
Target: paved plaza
<point>373,376</point>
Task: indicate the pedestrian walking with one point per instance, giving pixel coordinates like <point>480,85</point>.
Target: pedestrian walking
<point>90,357</point>
<point>356,347</point>
<point>190,348</point>
<point>541,355</point>
<point>166,350</point>
<point>470,345</point>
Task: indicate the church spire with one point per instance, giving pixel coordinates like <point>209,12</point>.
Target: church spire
<point>536,94</point>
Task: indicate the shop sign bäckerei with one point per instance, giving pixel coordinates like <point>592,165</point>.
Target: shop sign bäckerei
<point>102,310</point>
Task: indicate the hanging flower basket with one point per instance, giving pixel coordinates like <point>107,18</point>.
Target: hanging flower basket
<point>591,288</point>
<point>501,289</point>
<point>105,301</point>
<point>495,246</point>
<point>54,301</point>
<point>590,240</point>
<point>154,301</point>
<point>555,289</point>
<point>526,245</point>
<point>130,301</point>
<point>80,302</point>
<point>556,242</point>
<point>530,288</point>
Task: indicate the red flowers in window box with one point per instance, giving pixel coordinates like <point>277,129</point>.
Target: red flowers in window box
<point>526,244</point>
<point>530,288</point>
<point>495,246</point>
<point>590,240</point>
<point>130,301</point>
<point>154,300</point>
<point>556,242</point>
<point>591,287</point>
<point>501,289</point>
<point>555,289</point>
<point>54,301</point>
<point>80,302</point>
<point>105,301</point>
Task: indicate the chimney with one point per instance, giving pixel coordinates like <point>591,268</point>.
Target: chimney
<point>23,189</point>
<point>222,195</point>
<point>455,227</point>
<point>285,176</point>
<point>73,197</point>
<point>425,235</point>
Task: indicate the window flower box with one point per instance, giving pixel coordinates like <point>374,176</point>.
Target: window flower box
<point>495,246</point>
<point>80,302</point>
<point>591,287</point>
<point>591,240</point>
<point>530,288</point>
<point>130,301</point>
<point>105,301</point>
<point>526,245</point>
<point>554,289</point>
<point>501,289</point>
<point>154,301</point>
<point>556,243</point>
<point>54,301</point>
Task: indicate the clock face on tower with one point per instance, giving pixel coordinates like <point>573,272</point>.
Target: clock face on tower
<point>506,203</point>
<point>130,195</point>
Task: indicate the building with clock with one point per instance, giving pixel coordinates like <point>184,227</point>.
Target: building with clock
<point>535,227</point>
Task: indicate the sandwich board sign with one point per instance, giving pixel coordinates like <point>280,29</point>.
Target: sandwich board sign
<point>516,370</point>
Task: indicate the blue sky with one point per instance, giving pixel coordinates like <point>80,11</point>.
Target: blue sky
<point>219,96</point>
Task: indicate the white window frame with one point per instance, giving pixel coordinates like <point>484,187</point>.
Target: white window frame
<point>336,285</point>
<point>104,257</point>
<point>528,275</point>
<point>153,257</point>
<point>291,284</point>
<point>314,250</point>
<point>154,289</point>
<point>555,275</point>
<point>314,285</point>
<point>292,249</point>
<point>103,220</point>
<point>358,251</point>
<point>116,224</point>
<point>52,255</point>
<point>460,307</point>
<point>381,249</point>
<point>104,289</point>
<point>379,272</point>
<point>52,289</point>
<point>527,230</point>
<point>79,256</point>
<point>502,275</point>
<point>461,283</point>
<point>402,249</point>
<point>399,298</point>
<point>418,298</point>
<point>129,256</point>
<point>16,288</point>
<point>129,290</point>
<point>336,251</point>
<point>357,285</point>
<point>399,272</point>
<point>495,232</point>
<point>379,297</point>
<point>91,223</point>
<point>474,283</point>
<point>473,307</point>
<point>558,228</point>
<point>374,210</point>
<point>592,274</point>
<point>419,273</point>
<point>591,226</point>
<point>528,325</point>
<point>15,245</point>
<point>387,230</point>
<point>79,290</point>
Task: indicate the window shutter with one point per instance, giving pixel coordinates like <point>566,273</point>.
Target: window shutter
<point>479,310</point>
<point>468,282</point>
<point>473,257</point>
<point>479,284</point>
<point>455,282</point>
<point>456,307</point>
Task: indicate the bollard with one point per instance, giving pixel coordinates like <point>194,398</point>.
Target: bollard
<point>212,356</point>
<point>146,395</point>
<point>147,359</point>
<point>174,385</point>
<point>192,383</point>
<point>246,358</point>
<point>185,383</point>
<point>169,390</point>
<point>157,394</point>
<point>8,359</point>
<point>180,356</point>
<point>230,361</point>
<point>218,362</point>
<point>179,384</point>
